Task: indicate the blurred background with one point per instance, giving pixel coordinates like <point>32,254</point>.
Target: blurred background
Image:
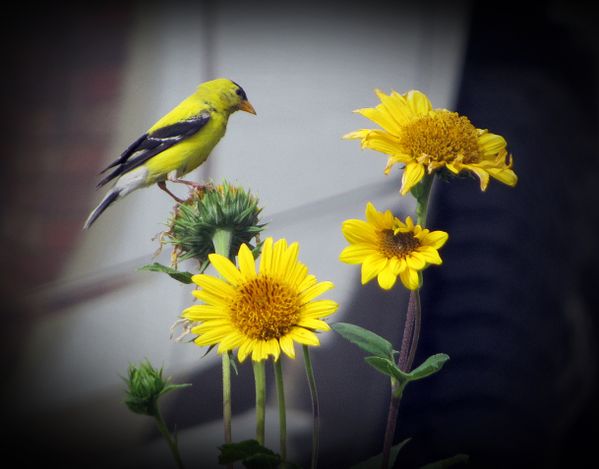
<point>514,304</point>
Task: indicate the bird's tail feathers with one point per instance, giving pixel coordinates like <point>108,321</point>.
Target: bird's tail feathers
<point>127,183</point>
<point>109,199</point>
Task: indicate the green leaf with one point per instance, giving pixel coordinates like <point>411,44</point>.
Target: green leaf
<point>262,461</point>
<point>183,277</point>
<point>174,387</point>
<point>246,451</point>
<point>445,463</point>
<point>376,461</point>
<point>387,367</point>
<point>430,366</point>
<point>365,339</point>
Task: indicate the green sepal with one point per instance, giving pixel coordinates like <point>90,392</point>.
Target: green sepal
<point>421,190</point>
<point>448,462</point>
<point>376,461</point>
<point>365,339</point>
<point>183,277</point>
<point>145,385</point>
<point>233,362</point>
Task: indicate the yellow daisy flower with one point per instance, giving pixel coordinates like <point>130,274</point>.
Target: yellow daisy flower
<point>424,139</point>
<point>260,312</point>
<point>387,248</point>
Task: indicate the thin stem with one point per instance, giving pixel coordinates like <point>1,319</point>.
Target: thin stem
<point>315,406</point>
<point>260,381</point>
<point>411,332</point>
<point>222,245</point>
<point>407,337</point>
<point>391,424</point>
<point>171,440</point>
<point>415,309</point>
<point>282,414</point>
<point>227,415</point>
<point>407,353</point>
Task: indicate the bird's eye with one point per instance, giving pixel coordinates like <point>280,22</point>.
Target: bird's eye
<point>238,92</point>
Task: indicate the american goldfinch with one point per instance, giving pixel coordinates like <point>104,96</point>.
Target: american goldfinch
<point>175,145</point>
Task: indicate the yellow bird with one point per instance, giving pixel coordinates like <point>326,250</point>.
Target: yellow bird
<point>175,145</point>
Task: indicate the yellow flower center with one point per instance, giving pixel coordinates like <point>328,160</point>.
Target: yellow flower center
<point>397,245</point>
<point>442,136</point>
<point>265,308</point>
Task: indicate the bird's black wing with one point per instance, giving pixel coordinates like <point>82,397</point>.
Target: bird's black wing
<point>149,145</point>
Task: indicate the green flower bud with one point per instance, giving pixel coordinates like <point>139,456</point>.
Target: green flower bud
<point>145,385</point>
<point>208,210</point>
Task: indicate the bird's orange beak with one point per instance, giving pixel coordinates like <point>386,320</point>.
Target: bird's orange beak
<point>247,107</point>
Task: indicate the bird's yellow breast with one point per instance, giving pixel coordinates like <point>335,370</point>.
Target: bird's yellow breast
<point>188,154</point>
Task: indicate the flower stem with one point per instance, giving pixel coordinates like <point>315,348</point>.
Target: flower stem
<point>315,406</point>
<point>282,414</point>
<point>414,310</point>
<point>222,245</point>
<point>411,332</point>
<point>422,193</point>
<point>170,439</point>
<point>222,242</point>
<point>260,381</point>
<point>227,416</point>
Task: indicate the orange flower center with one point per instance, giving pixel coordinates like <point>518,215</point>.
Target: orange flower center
<point>397,245</point>
<point>265,308</point>
<point>442,136</point>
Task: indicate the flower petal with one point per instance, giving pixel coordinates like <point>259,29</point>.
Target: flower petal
<point>410,279</point>
<point>490,144</point>
<point>304,336</point>
<point>358,134</point>
<point>418,102</point>
<point>214,285</point>
<point>381,117</point>
<point>319,309</point>
<point>435,239</point>
<point>226,268</point>
<point>204,312</point>
<point>387,278</point>
<point>315,324</point>
<point>372,266</point>
<point>314,291</point>
<point>415,260</point>
<point>356,253</point>
<point>245,349</point>
<point>247,264</point>
<point>412,174</point>
<point>430,254</point>
<point>266,256</point>
<point>287,346</point>
<point>358,231</point>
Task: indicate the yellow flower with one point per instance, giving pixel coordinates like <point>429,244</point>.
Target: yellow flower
<point>260,312</point>
<point>424,139</point>
<point>387,247</point>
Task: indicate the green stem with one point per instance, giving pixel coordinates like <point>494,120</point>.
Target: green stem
<point>171,440</point>
<point>282,414</point>
<point>422,193</point>
<point>315,406</point>
<point>411,334</point>
<point>227,415</point>
<point>222,242</point>
<point>260,381</point>
<point>222,245</point>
